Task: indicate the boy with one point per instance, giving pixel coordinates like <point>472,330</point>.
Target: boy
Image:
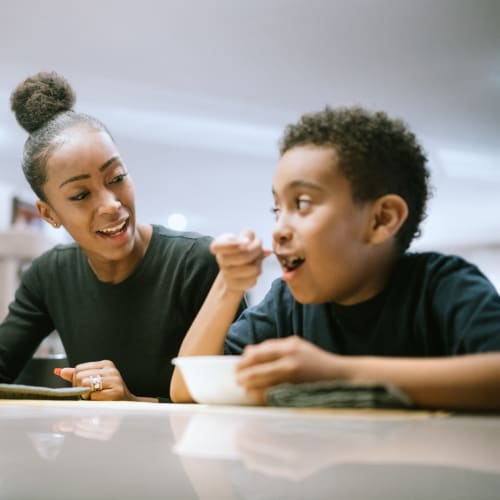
<point>350,192</point>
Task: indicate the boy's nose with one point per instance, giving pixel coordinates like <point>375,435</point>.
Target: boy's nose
<point>282,232</point>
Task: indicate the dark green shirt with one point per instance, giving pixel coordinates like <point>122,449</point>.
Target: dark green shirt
<point>433,305</point>
<point>138,324</point>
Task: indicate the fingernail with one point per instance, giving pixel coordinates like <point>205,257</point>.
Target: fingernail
<point>57,371</point>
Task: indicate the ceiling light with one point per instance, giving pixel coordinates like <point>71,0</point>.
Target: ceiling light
<point>178,222</point>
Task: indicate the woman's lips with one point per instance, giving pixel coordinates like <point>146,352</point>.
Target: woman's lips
<point>115,230</point>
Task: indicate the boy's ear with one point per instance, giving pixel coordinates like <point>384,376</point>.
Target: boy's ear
<point>47,213</point>
<point>388,214</point>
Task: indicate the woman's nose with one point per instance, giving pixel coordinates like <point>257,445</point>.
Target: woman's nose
<point>109,203</point>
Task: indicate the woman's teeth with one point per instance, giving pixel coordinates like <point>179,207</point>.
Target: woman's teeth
<point>113,230</point>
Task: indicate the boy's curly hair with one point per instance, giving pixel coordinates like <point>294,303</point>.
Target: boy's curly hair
<point>377,154</point>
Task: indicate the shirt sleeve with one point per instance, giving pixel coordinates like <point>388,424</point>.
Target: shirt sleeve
<point>271,318</point>
<point>25,326</point>
<point>467,308</point>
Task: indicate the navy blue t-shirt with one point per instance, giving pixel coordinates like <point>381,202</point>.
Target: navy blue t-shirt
<point>433,305</point>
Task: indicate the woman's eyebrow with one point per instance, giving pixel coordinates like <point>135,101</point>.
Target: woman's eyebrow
<point>75,178</point>
<point>103,167</point>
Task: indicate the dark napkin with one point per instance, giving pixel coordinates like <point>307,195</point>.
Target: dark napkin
<point>338,394</point>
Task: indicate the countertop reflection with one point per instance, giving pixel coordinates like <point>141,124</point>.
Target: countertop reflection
<point>72,450</point>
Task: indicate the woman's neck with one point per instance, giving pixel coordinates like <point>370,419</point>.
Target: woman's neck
<point>117,271</point>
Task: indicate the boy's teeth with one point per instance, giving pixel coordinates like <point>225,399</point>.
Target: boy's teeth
<point>291,262</point>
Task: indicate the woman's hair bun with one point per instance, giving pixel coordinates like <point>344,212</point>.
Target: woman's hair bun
<point>39,98</point>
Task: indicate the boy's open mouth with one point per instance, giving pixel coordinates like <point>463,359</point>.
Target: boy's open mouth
<point>291,263</point>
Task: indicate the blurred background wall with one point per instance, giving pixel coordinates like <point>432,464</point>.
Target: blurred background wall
<point>197,93</point>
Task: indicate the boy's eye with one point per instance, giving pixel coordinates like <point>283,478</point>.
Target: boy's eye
<point>276,211</point>
<point>79,196</point>
<point>303,203</point>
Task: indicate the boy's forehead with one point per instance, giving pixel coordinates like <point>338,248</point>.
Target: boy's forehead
<point>307,163</point>
<point>310,154</point>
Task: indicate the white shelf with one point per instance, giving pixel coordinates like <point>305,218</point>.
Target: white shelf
<point>18,247</point>
<point>23,244</point>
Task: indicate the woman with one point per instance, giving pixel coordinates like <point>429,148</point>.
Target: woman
<point>123,294</point>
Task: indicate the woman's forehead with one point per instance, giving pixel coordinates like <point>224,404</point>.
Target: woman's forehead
<point>80,150</point>
<point>80,143</point>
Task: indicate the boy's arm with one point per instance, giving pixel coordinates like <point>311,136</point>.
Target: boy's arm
<point>240,263</point>
<point>462,382</point>
<point>207,333</point>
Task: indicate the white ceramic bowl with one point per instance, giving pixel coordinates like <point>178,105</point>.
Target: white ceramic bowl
<point>212,379</point>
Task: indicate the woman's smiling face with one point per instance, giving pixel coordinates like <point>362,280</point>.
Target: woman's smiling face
<point>321,234</point>
<point>89,192</point>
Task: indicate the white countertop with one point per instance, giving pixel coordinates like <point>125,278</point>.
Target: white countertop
<point>89,450</point>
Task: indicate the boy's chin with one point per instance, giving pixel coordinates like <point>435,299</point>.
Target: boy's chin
<point>305,297</point>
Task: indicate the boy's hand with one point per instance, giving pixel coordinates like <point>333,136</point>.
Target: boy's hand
<point>240,259</point>
<point>276,361</point>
